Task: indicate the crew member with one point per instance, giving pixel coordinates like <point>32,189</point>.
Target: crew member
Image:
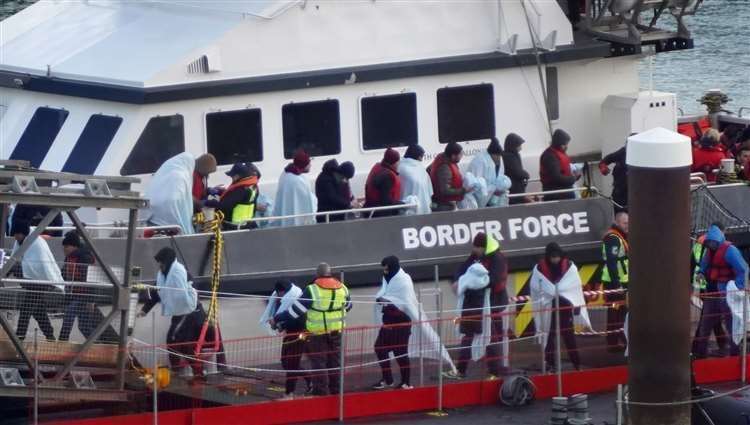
<point>721,264</point>
<point>699,286</point>
<point>325,302</point>
<point>180,301</point>
<point>447,184</point>
<point>286,294</point>
<point>486,251</point>
<point>383,186</point>
<point>619,176</point>
<point>615,251</point>
<point>555,168</point>
<point>238,202</point>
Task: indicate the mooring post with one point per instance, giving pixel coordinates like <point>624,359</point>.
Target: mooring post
<point>659,297</point>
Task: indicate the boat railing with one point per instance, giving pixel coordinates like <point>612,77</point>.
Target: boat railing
<point>698,178</point>
<point>328,214</point>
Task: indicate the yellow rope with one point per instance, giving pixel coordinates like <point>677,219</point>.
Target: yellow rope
<point>215,227</point>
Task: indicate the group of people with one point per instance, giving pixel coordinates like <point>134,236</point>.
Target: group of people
<point>713,147</point>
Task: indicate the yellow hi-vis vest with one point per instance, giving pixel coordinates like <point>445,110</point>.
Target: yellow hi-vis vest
<point>622,259</point>
<point>327,312</point>
<point>245,211</point>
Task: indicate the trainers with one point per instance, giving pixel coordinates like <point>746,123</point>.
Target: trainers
<point>492,377</point>
<point>404,386</point>
<point>382,385</point>
<point>453,375</point>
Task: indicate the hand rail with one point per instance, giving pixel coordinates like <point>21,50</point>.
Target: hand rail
<point>554,192</point>
<point>115,228</point>
<point>328,213</point>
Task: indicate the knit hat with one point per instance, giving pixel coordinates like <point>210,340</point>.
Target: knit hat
<point>282,285</point>
<point>453,148</point>
<point>166,255</point>
<point>20,226</point>
<point>301,159</point>
<point>513,141</point>
<point>323,270</point>
<point>72,239</point>
<point>494,147</point>
<point>480,240</point>
<point>553,250</point>
<point>414,152</point>
<point>391,156</point>
<point>392,262</point>
<point>560,138</point>
<point>347,169</point>
<point>205,164</point>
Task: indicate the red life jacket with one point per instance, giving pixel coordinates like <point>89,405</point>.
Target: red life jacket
<point>199,186</point>
<point>457,181</point>
<point>545,269</point>
<point>563,159</point>
<point>719,271</point>
<point>372,194</point>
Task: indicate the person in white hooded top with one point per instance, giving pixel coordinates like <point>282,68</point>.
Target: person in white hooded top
<point>488,165</point>
<point>415,181</point>
<point>294,194</point>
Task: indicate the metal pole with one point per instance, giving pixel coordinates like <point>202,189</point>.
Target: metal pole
<point>155,370</point>
<point>619,404</point>
<point>341,362</point>
<point>440,356</point>
<point>421,350</point>
<point>36,374</point>
<point>558,347</point>
<point>744,336</point>
<point>125,292</point>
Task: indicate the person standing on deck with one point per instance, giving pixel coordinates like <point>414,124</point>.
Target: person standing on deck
<point>205,165</point>
<point>482,301</point>
<point>700,286</point>
<point>325,302</point>
<point>415,181</point>
<point>333,192</point>
<point>238,202</point>
<point>293,193</point>
<point>488,164</point>
<point>619,176</point>
<point>615,272</point>
<point>708,155</point>
<point>555,168</point>
<point>519,177</point>
<point>383,186</point>
<point>447,184</point>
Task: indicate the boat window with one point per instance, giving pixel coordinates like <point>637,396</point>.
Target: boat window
<point>92,144</point>
<point>389,121</point>
<point>552,94</point>
<point>235,136</point>
<point>466,113</point>
<point>163,138</point>
<point>38,136</point>
<point>312,126</point>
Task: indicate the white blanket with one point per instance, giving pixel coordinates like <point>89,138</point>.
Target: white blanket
<point>478,196</point>
<point>266,201</point>
<point>482,166</point>
<point>293,196</point>
<point>170,193</point>
<point>543,297</point>
<point>735,299</point>
<point>477,277</point>
<point>178,297</point>
<point>415,182</point>
<point>38,263</point>
<point>400,293</point>
<point>278,305</point>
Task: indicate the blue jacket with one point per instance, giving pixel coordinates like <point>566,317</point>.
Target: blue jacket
<point>733,257</point>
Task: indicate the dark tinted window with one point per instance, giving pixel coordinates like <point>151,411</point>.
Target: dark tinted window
<point>91,145</point>
<point>313,126</point>
<point>163,138</point>
<point>466,113</point>
<point>552,94</point>
<point>235,136</point>
<point>39,135</point>
<point>389,121</point>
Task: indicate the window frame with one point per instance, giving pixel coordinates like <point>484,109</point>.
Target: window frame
<point>362,98</point>
<point>493,130</point>
<point>338,127</point>
<point>138,140</point>
<point>229,111</point>
<point>66,114</point>
<point>104,152</point>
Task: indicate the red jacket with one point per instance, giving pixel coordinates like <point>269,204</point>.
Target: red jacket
<point>457,181</point>
<point>706,160</point>
<point>374,196</point>
<point>549,177</point>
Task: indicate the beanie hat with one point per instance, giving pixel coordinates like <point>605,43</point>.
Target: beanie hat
<point>480,240</point>
<point>553,250</point>
<point>391,156</point>
<point>347,169</point>
<point>205,164</point>
<point>452,148</point>
<point>414,152</point>
<point>494,147</point>
<point>301,159</point>
<point>72,239</point>
<point>560,138</point>
<point>20,226</point>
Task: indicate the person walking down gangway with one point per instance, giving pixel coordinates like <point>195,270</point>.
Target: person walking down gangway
<point>480,285</point>
<point>724,270</point>
<point>615,276</point>
<point>285,295</point>
<point>700,289</point>
<point>556,275</point>
<point>325,302</point>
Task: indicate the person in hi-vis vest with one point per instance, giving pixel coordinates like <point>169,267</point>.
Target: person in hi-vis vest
<point>615,272</point>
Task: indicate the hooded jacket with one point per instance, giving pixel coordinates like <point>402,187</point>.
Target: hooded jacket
<point>619,175</point>
<point>519,177</point>
<point>330,192</point>
<point>731,256</point>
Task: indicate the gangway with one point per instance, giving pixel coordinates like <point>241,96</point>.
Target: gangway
<point>52,369</point>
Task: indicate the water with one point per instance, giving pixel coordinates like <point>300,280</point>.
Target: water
<point>721,58</point>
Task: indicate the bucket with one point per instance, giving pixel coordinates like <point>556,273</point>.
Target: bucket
<point>559,411</point>
<point>578,407</point>
<point>727,166</point>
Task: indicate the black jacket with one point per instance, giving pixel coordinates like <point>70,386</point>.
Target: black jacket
<point>497,267</point>
<point>519,177</point>
<point>551,165</point>
<point>331,192</point>
<point>619,175</point>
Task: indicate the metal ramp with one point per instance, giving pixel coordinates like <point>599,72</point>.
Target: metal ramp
<point>61,370</point>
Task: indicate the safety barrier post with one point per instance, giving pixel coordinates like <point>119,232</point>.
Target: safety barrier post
<point>439,299</point>
<point>421,350</point>
<point>154,370</point>
<point>341,360</point>
<point>744,336</point>
<point>37,375</point>
<point>558,348</point>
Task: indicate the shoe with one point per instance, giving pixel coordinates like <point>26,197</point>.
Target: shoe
<point>453,375</point>
<point>492,377</point>
<point>382,385</point>
<point>289,396</point>
<point>404,386</point>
